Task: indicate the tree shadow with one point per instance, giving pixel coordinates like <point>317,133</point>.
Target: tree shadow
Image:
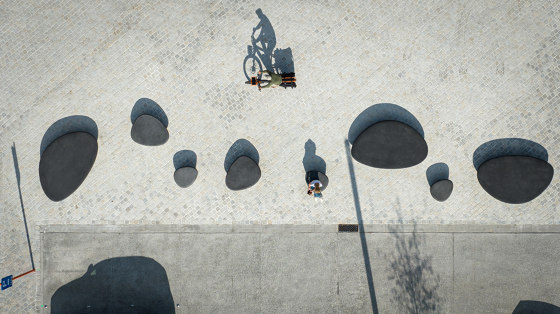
<point>241,147</point>
<point>416,284</point>
<point>437,172</point>
<point>508,147</point>
<point>312,162</point>
<point>67,125</point>
<point>535,307</point>
<point>133,284</point>
<point>146,106</point>
<point>184,158</point>
<point>382,112</point>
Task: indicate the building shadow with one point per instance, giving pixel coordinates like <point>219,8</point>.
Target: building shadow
<point>312,162</point>
<point>365,252</point>
<point>184,158</point>
<point>416,285</point>
<point>508,147</point>
<point>146,106</point>
<point>133,284</point>
<point>241,147</point>
<point>382,112</point>
<point>535,307</point>
<point>437,172</point>
<point>67,125</point>
<point>18,179</point>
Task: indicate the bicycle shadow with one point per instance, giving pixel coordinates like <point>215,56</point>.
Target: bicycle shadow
<point>261,51</point>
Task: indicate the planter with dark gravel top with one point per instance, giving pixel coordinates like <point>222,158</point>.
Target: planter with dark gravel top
<point>185,177</point>
<point>148,130</point>
<point>65,164</point>
<point>242,174</point>
<point>441,190</point>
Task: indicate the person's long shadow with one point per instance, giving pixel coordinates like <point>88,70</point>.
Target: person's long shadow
<point>263,39</point>
<point>312,162</point>
<point>416,284</point>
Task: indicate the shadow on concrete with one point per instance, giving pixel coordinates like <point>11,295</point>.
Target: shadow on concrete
<point>146,106</point>
<point>18,178</point>
<point>416,285</point>
<point>133,284</point>
<point>437,172</point>
<point>363,241</point>
<point>508,147</point>
<point>284,61</point>
<point>382,112</point>
<point>312,162</point>
<point>67,125</point>
<point>535,307</point>
<point>184,158</point>
<point>241,147</point>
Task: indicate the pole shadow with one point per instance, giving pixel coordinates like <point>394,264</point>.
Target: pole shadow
<point>146,106</point>
<point>416,284</point>
<point>382,112</point>
<point>18,178</point>
<point>363,241</point>
<point>535,307</point>
<point>184,158</point>
<point>312,162</point>
<point>508,147</point>
<point>67,125</point>
<point>437,172</point>
<point>241,147</point>
<point>133,284</point>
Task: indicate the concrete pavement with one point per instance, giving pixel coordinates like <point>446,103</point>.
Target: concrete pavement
<point>315,269</point>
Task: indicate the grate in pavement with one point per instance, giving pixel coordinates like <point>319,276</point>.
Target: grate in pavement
<point>348,228</point>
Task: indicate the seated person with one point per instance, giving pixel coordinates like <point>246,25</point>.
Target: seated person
<point>273,79</point>
<point>314,188</point>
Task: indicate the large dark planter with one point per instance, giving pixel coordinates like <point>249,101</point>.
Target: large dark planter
<point>515,179</point>
<point>242,174</point>
<point>65,164</point>
<point>149,131</point>
<point>185,177</point>
<point>390,145</point>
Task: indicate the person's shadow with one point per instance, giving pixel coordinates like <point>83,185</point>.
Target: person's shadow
<point>265,42</point>
<point>312,162</point>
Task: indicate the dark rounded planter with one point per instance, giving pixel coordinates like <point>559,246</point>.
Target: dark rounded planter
<point>185,177</point>
<point>441,190</point>
<point>242,174</point>
<point>515,179</point>
<point>65,164</point>
<point>149,131</point>
<point>390,145</point>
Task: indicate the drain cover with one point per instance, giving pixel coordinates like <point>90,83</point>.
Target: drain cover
<point>347,228</point>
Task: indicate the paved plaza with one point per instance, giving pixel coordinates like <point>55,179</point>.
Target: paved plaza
<point>469,72</point>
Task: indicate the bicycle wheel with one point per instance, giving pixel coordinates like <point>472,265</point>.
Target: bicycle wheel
<point>251,66</point>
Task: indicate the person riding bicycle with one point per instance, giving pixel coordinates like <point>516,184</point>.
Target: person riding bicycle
<point>273,80</point>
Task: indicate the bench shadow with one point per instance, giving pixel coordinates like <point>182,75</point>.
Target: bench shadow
<point>146,106</point>
<point>241,147</point>
<point>382,112</point>
<point>312,162</point>
<point>416,285</point>
<point>437,172</point>
<point>133,284</point>
<point>508,147</point>
<point>184,158</point>
<point>535,307</point>
<point>68,125</point>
